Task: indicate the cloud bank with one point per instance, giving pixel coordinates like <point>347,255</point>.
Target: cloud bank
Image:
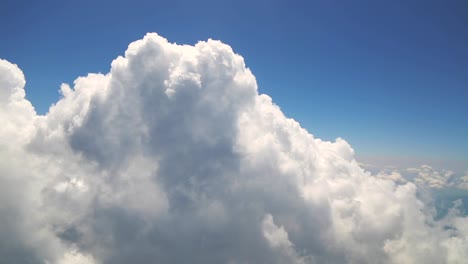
<point>426,177</point>
<point>174,157</point>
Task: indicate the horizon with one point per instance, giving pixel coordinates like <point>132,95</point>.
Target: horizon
<point>390,88</point>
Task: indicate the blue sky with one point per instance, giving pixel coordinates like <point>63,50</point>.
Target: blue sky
<point>391,77</point>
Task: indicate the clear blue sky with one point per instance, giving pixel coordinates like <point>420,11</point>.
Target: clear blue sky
<point>391,77</point>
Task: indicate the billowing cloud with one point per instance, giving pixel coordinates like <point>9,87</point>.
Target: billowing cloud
<point>463,182</point>
<point>174,157</point>
<point>393,175</point>
<point>426,175</point>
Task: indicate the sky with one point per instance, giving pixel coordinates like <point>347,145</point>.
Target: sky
<point>388,76</point>
<point>249,147</point>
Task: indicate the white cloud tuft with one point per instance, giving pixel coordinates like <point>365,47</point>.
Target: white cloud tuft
<point>393,175</point>
<point>278,239</point>
<point>426,175</point>
<point>174,157</point>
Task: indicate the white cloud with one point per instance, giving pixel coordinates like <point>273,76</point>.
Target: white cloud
<point>393,175</point>
<point>426,175</point>
<point>278,239</point>
<point>173,156</point>
<point>463,182</point>
<point>74,257</point>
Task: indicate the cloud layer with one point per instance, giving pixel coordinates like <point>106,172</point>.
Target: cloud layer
<point>174,157</point>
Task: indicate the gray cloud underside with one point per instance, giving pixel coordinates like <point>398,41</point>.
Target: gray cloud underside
<point>174,157</point>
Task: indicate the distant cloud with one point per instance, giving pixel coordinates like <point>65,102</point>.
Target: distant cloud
<point>174,157</point>
<point>425,177</point>
<point>463,182</point>
<point>393,175</point>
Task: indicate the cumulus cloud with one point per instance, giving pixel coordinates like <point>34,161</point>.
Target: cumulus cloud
<point>464,181</point>
<point>393,175</point>
<point>174,157</point>
<point>426,177</point>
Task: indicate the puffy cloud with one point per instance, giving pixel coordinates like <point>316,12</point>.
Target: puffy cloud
<point>174,157</point>
<point>426,175</point>
<point>463,182</point>
<point>278,239</point>
<point>393,175</point>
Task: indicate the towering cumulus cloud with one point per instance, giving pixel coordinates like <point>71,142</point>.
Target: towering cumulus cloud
<point>174,157</point>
